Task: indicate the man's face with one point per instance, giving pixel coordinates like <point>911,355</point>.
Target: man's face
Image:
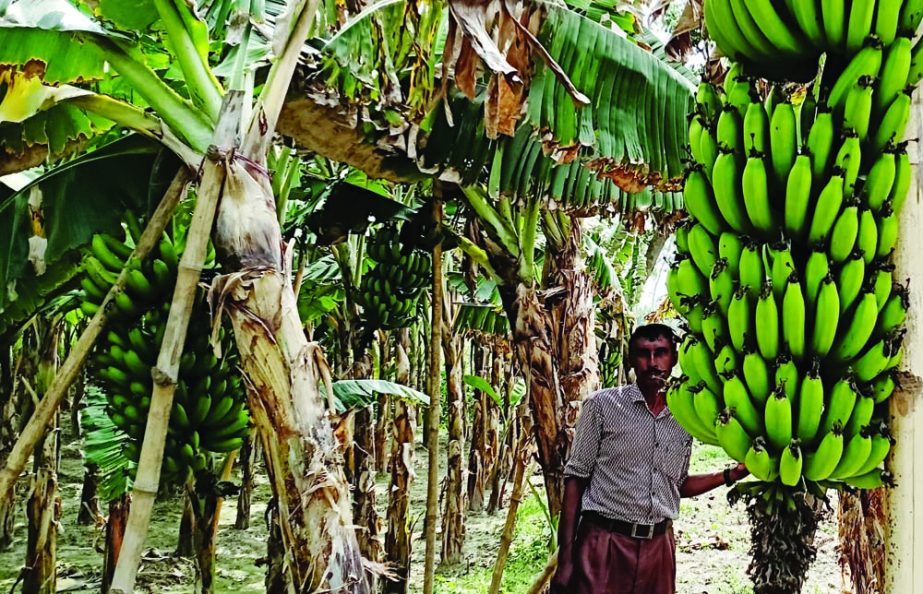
<point>653,360</point>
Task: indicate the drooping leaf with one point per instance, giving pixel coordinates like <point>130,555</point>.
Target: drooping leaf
<point>51,37</point>
<point>479,383</point>
<point>136,15</point>
<point>357,393</point>
<point>104,446</point>
<point>85,196</point>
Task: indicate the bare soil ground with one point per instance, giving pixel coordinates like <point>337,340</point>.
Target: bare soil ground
<point>712,537</point>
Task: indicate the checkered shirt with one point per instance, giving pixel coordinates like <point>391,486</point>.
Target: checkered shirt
<point>636,462</point>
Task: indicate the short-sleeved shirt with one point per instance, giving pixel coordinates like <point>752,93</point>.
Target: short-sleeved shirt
<point>635,461</point>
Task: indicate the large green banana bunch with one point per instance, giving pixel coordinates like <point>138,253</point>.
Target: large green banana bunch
<point>209,412</point>
<point>783,271</point>
<point>389,292</point>
<point>782,39</point>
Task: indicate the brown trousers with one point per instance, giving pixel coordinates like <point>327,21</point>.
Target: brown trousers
<point>611,563</point>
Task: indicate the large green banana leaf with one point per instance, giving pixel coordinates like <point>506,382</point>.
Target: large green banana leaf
<point>351,394</point>
<point>85,196</point>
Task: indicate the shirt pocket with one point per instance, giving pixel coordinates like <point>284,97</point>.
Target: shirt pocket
<point>675,457</point>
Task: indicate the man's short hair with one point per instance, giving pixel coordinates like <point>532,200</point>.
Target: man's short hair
<point>652,332</point>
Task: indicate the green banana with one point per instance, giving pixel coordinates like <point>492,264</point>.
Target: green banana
<point>827,208</point>
<point>106,257</point>
<point>893,124</point>
<point>756,127</point>
<point>887,15</point>
<point>760,463</point>
<point>881,445</point>
<point>778,416</point>
<point>857,109</point>
<point>732,436</point>
<point>880,180</point>
<point>850,280</point>
<point>798,196</point>
<point>861,416</point>
<point>867,235</point>
<point>93,293</point>
<point>729,133</point>
<point>817,269</point>
<point>691,282</point>
<point>681,236</point>
<point>681,404</point>
<point>820,464</point>
<point>750,30</point>
<point>790,464</point>
<point>737,400</point>
<point>783,265</point>
<point>826,318</point>
<point>756,375</point>
<point>902,178</point>
<point>713,328</point>
<point>783,140</point>
<point>704,362</point>
<point>859,26</point>
<point>228,445</point>
<point>726,360</point>
<point>894,313</point>
<point>700,201</point>
<point>721,285</point>
<point>871,480</point>
<point>726,179</point>
<point>780,35</point>
<point>865,63</point>
<point>794,318</point>
<point>820,144</point>
<point>707,99</point>
<point>756,194</point>
<point>810,405</point>
<point>179,418</point>
<point>740,321</point>
<point>730,247</point>
<point>202,404</point>
<point>883,387</point>
<point>767,323</point>
<point>752,271</point>
<point>895,70</point>
<point>809,21</point>
<point>702,248</point>
<point>140,286</point>
<point>844,233</point>
<point>788,378</point>
<point>882,283</point>
<point>849,160</point>
<point>843,397</point>
<point>859,327</point>
<point>855,453</point>
<point>873,361</point>
<point>706,404</point>
<point>888,227</point>
<point>708,149</point>
<point>911,15</point>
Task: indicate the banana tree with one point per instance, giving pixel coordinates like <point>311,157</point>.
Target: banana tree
<point>258,296</point>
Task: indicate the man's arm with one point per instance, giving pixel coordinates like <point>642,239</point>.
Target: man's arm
<point>567,532</point>
<point>703,483</point>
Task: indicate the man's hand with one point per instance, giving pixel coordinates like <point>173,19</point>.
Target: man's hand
<point>560,583</point>
<point>739,472</point>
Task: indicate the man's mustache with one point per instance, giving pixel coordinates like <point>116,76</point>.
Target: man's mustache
<point>656,374</point>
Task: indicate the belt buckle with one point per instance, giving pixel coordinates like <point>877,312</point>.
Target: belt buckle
<point>647,536</point>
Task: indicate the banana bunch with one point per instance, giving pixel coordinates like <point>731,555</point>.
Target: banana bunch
<point>209,412</point>
<point>783,270</point>
<point>783,40</point>
<point>389,292</point>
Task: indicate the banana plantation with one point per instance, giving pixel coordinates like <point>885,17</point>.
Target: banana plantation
<point>303,296</point>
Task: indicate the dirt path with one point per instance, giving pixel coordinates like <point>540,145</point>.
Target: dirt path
<point>712,541</point>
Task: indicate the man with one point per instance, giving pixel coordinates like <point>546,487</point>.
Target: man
<point>628,468</point>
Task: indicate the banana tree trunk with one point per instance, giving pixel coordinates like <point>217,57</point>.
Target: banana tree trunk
<point>115,531</point>
<point>185,542</point>
<point>291,417</point>
<point>204,537</point>
<point>368,524</point>
<point>383,406</point>
<point>278,577</point>
<point>453,516</point>
<point>398,538</point>
<point>43,506</point>
<point>477,462</point>
<point>8,435</point>
<point>89,502</point>
<point>506,444</point>
<point>555,344</point>
<point>248,455</point>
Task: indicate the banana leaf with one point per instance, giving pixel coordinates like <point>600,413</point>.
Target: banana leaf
<point>104,445</point>
<point>352,394</point>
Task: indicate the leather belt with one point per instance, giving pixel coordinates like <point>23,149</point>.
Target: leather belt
<point>642,531</point>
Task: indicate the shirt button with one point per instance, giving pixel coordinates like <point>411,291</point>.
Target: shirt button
<point>656,444</point>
